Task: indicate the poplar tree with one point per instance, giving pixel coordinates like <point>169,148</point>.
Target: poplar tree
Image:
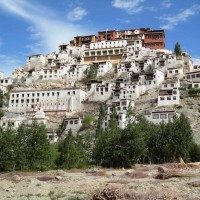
<point>177,49</point>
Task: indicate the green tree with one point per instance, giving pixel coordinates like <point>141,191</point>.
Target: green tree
<point>33,147</point>
<point>99,129</point>
<point>177,49</point>
<point>1,99</point>
<point>88,120</point>
<point>72,152</point>
<point>1,114</point>
<point>7,149</point>
<point>10,87</point>
<point>194,152</point>
<point>90,73</point>
<point>62,128</point>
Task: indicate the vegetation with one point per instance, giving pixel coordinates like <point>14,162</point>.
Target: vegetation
<point>193,92</point>
<point>72,152</point>
<point>28,148</point>
<point>1,114</point>
<point>177,49</point>
<point>25,148</point>
<point>1,99</point>
<point>90,73</point>
<point>10,87</point>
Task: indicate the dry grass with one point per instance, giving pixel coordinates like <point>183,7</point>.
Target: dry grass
<point>46,178</point>
<point>173,173</point>
<point>76,170</point>
<point>137,174</point>
<point>99,173</point>
<point>121,181</point>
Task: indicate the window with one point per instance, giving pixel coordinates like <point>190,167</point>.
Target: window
<point>168,98</point>
<point>68,93</point>
<point>174,98</point>
<point>155,116</point>
<point>188,76</point>
<point>163,116</point>
<point>193,75</point>
<point>196,85</point>
<point>172,85</point>
<point>76,121</point>
<point>170,72</point>
<point>165,86</point>
<point>170,115</point>
<point>71,121</point>
<point>162,98</point>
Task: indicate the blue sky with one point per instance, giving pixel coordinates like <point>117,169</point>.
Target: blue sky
<point>39,26</point>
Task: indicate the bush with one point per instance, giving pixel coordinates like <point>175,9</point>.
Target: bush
<point>194,92</point>
<point>195,152</point>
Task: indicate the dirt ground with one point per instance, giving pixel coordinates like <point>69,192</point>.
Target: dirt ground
<point>139,182</point>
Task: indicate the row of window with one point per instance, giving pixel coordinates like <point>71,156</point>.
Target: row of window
<point>176,71</point>
<point>168,98</point>
<point>47,94</point>
<point>99,53</point>
<point>163,116</point>
<point>193,76</point>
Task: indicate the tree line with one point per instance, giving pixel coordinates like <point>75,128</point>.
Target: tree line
<point>28,147</point>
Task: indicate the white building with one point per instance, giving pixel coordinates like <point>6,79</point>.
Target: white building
<point>6,81</point>
<point>175,72</point>
<point>13,122</point>
<point>54,101</point>
<point>108,44</point>
<point>169,97</point>
<point>3,89</point>
<point>124,89</point>
<point>36,61</point>
<point>157,117</point>
<point>194,85</point>
<point>121,107</point>
<point>52,73</point>
<point>170,84</point>
<point>195,68</point>
<point>193,76</point>
<point>74,123</point>
<point>103,67</point>
<point>150,80</point>
<point>76,72</point>
<point>99,90</point>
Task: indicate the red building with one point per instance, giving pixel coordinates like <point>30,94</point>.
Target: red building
<point>154,39</point>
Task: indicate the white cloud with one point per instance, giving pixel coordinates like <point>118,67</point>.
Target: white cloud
<point>76,14</point>
<point>130,6</point>
<point>47,31</point>
<point>172,21</point>
<point>196,61</point>
<point>9,63</point>
<point>166,3</point>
